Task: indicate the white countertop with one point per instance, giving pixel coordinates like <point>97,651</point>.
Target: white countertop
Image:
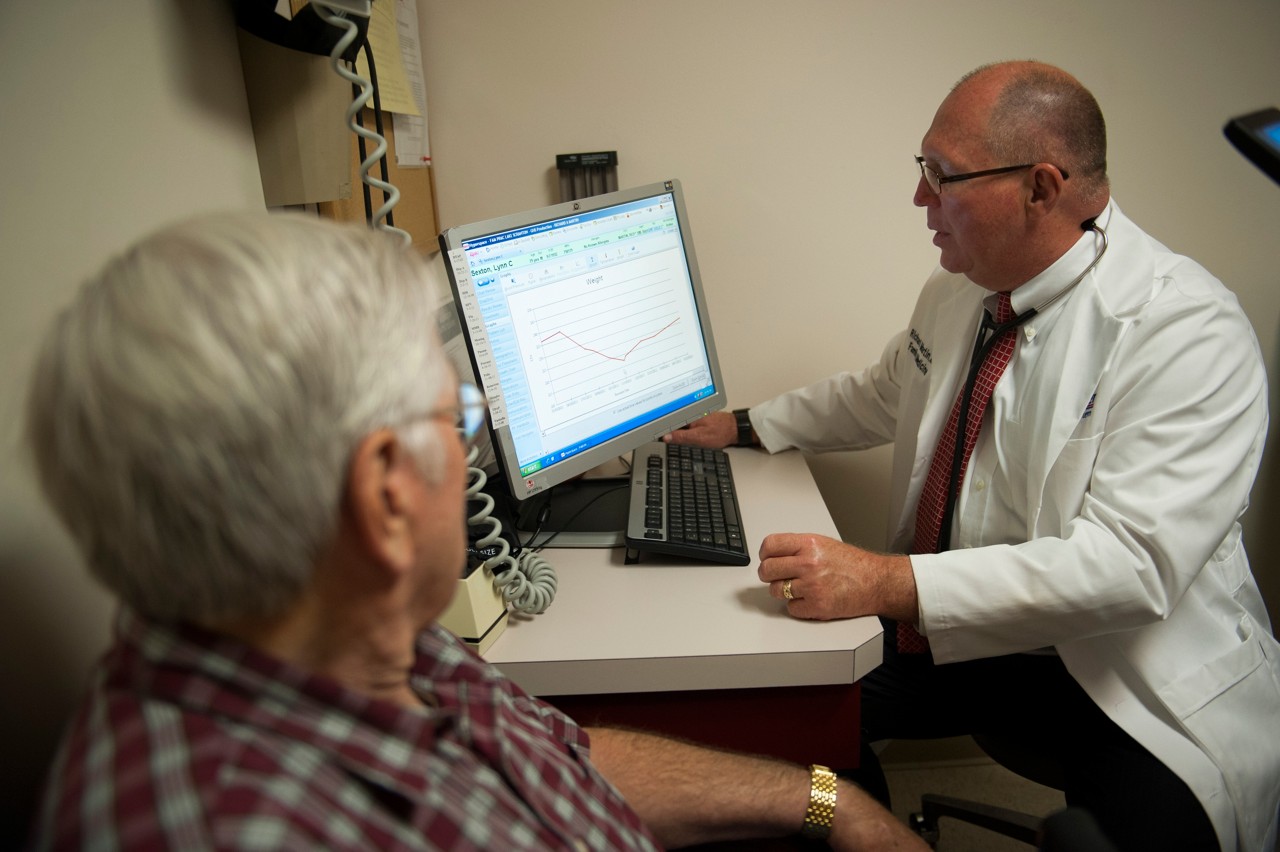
<point>666,625</point>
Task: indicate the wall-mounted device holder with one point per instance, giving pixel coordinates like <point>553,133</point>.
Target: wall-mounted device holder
<point>584,175</point>
<point>306,30</point>
<point>1257,136</point>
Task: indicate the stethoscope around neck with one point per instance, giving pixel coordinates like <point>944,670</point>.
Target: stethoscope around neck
<point>988,334</point>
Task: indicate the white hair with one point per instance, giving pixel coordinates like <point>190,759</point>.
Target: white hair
<point>193,412</point>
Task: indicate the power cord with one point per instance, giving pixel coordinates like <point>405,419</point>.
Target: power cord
<point>527,582</point>
<point>545,513</point>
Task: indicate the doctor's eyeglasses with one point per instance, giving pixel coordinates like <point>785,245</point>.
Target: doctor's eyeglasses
<point>936,180</point>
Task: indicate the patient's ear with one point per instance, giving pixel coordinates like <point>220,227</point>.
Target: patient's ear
<point>379,499</point>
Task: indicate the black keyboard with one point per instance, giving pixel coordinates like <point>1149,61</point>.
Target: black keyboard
<point>683,503</point>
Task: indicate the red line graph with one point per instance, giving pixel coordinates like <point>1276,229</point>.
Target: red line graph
<point>625,356</point>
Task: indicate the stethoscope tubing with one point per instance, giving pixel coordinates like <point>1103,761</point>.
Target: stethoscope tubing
<point>989,333</point>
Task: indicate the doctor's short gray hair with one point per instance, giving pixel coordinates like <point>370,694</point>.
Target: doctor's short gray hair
<point>192,413</point>
<point>1045,115</point>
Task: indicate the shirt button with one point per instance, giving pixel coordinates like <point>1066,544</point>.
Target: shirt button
<point>980,484</point>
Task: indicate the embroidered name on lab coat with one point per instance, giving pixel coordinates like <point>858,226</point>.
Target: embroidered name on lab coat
<point>921,353</point>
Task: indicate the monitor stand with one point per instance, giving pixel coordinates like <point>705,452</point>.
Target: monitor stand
<point>581,513</point>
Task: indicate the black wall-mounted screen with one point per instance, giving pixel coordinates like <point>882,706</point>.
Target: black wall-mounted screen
<point>1257,136</point>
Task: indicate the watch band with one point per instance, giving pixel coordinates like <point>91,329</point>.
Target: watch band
<point>822,804</point>
<point>743,418</point>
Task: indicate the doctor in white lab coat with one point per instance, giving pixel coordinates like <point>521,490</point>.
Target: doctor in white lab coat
<point>1098,518</point>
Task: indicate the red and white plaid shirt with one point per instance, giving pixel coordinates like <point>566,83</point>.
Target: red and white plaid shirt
<point>191,740</point>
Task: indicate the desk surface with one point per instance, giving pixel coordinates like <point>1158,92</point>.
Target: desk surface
<point>666,625</point>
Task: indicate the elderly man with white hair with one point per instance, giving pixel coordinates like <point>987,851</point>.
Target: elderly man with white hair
<point>251,430</point>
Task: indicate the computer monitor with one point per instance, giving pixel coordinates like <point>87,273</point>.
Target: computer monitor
<point>587,329</point>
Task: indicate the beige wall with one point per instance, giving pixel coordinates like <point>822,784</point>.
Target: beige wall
<point>117,117</point>
<point>793,125</point>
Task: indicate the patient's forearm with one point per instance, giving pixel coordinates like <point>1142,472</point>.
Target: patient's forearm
<point>689,794</point>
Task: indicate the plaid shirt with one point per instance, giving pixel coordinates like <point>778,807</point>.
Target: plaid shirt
<point>193,741</point>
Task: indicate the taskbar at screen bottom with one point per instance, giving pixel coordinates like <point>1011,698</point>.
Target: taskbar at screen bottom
<point>653,416</point>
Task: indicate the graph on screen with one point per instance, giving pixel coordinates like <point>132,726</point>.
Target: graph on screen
<point>608,338</point>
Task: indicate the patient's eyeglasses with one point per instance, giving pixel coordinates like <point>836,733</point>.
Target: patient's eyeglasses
<point>936,180</point>
<point>469,413</point>
<point>472,407</point>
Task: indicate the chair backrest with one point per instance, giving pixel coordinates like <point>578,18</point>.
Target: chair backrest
<point>54,624</point>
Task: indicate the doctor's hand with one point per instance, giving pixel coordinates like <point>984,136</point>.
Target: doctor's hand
<point>831,579</point>
<point>716,431</point>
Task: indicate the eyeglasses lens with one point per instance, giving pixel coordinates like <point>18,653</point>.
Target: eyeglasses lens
<point>930,177</point>
<point>471,410</point>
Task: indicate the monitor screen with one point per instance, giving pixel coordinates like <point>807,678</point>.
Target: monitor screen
<point>587,329</point>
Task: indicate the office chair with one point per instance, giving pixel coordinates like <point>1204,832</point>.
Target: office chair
<point>1016,756</point>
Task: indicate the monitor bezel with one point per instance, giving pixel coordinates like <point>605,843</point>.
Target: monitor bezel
<point>522,488</point>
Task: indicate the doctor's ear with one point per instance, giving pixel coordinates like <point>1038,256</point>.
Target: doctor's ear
<point>1047,183</point>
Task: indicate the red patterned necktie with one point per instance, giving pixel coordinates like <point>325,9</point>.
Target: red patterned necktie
<point>933,498</point>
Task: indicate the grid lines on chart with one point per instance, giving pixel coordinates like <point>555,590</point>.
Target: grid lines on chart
<point>608,335</point>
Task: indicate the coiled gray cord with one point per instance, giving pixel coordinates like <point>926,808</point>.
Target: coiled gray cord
<point>338,18</point>
<point>528,582</point>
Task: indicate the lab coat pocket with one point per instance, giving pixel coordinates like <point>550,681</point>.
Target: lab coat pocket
<point>1206,684</point>
<point>1232,562</point>
<point>1068,480</point>
<point>1228,707</point>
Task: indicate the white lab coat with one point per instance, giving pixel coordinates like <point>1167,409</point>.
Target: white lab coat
<point>1132,553</point>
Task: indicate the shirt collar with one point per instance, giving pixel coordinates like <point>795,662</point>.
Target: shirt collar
<point>213,675</point>
<point>1053,280</point>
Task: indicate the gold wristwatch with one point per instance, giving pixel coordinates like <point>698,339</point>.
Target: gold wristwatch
<point>822,803</point>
